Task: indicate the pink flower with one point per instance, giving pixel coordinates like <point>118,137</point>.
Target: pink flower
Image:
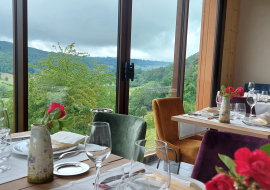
<point>56,105</point>
<point>240,91</point>
<point>255,164</point>
<point>220,182</point>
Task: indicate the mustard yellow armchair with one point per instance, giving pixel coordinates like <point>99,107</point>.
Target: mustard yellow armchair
<point>185,150</point>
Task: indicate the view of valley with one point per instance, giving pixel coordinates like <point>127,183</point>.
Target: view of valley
<point>78,81</point>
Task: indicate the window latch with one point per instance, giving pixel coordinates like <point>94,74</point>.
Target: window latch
<point>127,71</point>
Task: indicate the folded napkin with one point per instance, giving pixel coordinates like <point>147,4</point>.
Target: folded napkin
<point>263,118</point>
<point>63,139</point>
<point>209,112</point>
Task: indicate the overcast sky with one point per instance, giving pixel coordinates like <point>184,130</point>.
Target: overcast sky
<point>92,25</point>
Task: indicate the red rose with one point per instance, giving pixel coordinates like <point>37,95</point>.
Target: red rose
<point>255,164</point>
<point>220,182</point>
<point>229,89</point>
<point>240,91</point>
<point>56,105</point>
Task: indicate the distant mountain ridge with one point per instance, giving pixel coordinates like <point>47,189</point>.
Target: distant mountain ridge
<point>36,55</point>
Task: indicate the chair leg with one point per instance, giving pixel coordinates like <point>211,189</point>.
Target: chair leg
<point>178,168</point>
<point>158,163</point>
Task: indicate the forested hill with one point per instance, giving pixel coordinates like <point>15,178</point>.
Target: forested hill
<point>36,55</point>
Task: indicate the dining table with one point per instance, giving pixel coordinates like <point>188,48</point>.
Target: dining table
<point>61,181</point>
<point>235,126</point>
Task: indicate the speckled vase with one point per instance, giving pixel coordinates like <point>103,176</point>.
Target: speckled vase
<point>224,112</point>
<point>40,155</point>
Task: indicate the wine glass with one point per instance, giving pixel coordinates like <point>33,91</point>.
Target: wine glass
<point>5,152</point>
<point>251,100</point>
<point>251,86</point>
<point>98,144</point>
<point>4,123</point>
<point>143,174</point>
<point>218,99</point>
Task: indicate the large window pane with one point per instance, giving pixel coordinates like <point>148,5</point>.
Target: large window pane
<point>6,57</point>
<point>152,51</point>
<point>58,31</point>
<point>192,55</point>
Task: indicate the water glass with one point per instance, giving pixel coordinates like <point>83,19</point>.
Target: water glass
<point>232,110</point>
<point>4,123</point>
<point>264,96</point>
<point>241,110</point>
<point>144,174</point>
<point>5,152</point>
<point>251,86</point>
<point>98,145</point>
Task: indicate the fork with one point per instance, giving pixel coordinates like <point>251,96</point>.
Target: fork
<point>68,154</point>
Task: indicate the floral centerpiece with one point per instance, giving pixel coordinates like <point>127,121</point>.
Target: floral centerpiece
<point>55,117</point>
<point>249,171</point>
<point>40,154</point>
<point>227,94</point>
<point>231,92</point>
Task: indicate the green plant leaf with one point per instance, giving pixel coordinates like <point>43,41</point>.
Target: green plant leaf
<point>66,121</point>
<point>229,163</point>
<point>46,119</point>
<point>56,126</point>
<point>266,149</point>
<point>55,114</point>
<point>226,95</point>
<point>223,88</point>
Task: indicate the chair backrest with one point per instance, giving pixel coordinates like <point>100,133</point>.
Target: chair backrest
<point>125,131</point>
<point>163,110</point>
<point>217,142</point>
<point>258,86</point>
<point>243,100</point>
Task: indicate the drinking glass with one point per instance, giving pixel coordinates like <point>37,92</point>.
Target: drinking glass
<point>98,145</point>
<point>251,86</point>
<point>264,96</point>
<point>232,110</point>
<point>143,174</point>
<point>4,123</point>
<point>5,152</point>
<point>251,100</point>
<point>218,99</point>
<point>241,110</point>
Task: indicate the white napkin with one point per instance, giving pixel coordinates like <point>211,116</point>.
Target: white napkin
<point>209,112</point>
<point>263,118</point>
<point>94,147</point>
<point>63,139</point>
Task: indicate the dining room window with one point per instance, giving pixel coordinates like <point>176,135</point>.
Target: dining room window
<point>72,49</point>
<point>6,58</point>
<point>192,55</point>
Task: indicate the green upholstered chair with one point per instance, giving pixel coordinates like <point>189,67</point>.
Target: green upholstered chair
<point>125,131</point>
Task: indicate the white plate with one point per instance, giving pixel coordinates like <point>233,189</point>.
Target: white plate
<point>22,148</point>
<point>70,168</point>
<point>246,121</point>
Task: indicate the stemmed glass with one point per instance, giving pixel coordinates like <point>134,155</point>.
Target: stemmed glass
<point>218,98</point>
<point>98,145</point>
<point>251,100</point>
<point>143,174</point>
<point>251,86</point>
<point>4,123</point>
<point>5,152</point>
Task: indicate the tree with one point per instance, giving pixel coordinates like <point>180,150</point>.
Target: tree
<point>66,79</point>
<point>141,112</point>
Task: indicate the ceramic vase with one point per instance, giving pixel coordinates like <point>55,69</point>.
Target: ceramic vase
<point>40,155</point>
<point>224,112</point>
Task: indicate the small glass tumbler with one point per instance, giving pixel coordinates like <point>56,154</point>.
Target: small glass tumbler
<point>264,96</point>
<point>232,110</point>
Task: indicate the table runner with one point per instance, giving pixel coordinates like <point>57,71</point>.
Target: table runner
<point>235,122</point>
<point>18,164</point>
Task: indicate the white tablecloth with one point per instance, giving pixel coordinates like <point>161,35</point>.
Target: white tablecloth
<point>186,130</point>
<point>18,164</point>
<point>262,107</point>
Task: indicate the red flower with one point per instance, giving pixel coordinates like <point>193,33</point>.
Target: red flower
<point>255,164</point>
<point>240,91</point>
<point>220,182</point>
<point>56,105</point>
<point>229,89</point>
